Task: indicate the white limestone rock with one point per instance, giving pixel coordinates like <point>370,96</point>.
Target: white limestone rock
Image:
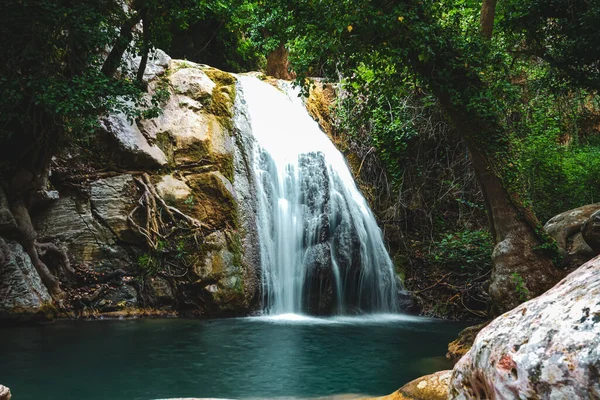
<point>547,348</point>
<point>137,151</point>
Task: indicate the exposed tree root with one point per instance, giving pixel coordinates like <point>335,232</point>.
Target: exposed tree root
<point>44,248</point>
<point>28,236</point>
<point>161,219</point>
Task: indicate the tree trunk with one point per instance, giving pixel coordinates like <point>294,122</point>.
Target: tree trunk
<point>27,238</point>
<point>145,48</point>
<point>278,65</point>
<point>486,20</point>
<point>520,271</point>
<point>113,61</point>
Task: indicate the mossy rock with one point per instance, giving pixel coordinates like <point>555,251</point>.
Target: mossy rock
<point>223,96</point>
<point>215,199</point>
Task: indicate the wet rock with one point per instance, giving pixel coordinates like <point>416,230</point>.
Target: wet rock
<point>429,387</point>
<point>547,348</point>
<point>118,298</point>
<point>319,294</point>
<point>163,293</point>
<point>222,274</point>
<point>214,199</point>
<point>590,231</point>
<point>244,186</point>
<point>22,292</point>
<point>566,229</point>
<point>132,148</point>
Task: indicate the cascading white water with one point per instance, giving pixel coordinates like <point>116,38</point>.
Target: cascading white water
<point>321,249</point>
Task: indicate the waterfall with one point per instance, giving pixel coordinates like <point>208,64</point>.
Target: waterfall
<point>320,247</point>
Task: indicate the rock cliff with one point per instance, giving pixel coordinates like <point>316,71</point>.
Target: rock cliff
<point>157,219</point>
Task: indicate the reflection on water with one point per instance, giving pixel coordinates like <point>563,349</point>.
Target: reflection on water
<point>250,358</point>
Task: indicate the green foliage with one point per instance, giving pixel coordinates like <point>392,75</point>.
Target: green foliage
<point>467,251</point>
<point>53,53</point>
<point>149,264</point>
<point>563,33</point>
<point>520,287</point>
<point>559,155</point>
<point>189,201</point>
<point>218,36</point>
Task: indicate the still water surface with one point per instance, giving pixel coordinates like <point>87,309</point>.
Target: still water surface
<point>246,358</point>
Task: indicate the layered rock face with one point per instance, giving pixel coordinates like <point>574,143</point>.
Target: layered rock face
<point>159,217</point>
<point>547,348</point>
<point>21,289</point>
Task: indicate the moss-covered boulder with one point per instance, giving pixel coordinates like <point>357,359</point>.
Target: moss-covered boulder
<point>430,387</point>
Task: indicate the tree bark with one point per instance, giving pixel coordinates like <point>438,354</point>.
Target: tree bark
<point>278,65</point>
<point>486,19</point>
<point>27,238</point>
<point>145,47</point>
<point>519,270</point>
<point>113,61</point>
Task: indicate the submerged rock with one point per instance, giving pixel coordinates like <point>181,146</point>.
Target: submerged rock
<point>547,348</point>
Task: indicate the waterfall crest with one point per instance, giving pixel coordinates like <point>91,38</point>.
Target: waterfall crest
<point>320,247</point>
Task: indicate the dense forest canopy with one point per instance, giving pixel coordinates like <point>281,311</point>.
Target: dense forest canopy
<point>511,86</point>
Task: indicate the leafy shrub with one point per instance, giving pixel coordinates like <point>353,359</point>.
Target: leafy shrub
<point>469,251</point>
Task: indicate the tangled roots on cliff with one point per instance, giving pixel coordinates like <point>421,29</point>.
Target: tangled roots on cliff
<point>161,219</point>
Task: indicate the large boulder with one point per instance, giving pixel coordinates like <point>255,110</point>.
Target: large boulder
<point>566,229</point>
<point>590,231</point>
<point>221,273</point>
<point>192,82</point>
<point>192,129</point>
<point>547,348</point>
<point>132,148</point>
<point>22,292</point>
<point>157,65</point>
